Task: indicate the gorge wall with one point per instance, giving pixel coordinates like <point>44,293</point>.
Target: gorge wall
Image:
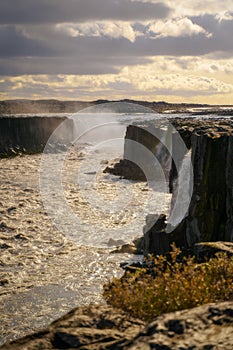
<point>210,213</point>
<point>30,134</point>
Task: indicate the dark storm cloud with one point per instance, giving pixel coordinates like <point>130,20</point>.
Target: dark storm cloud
<point>221,30</point>
<point>82,65</point>
<point>48,51</point>
<point>13,44</point>
<point>57,11</point>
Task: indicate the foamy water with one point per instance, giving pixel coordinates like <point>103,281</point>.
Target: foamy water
<point>45,273</point>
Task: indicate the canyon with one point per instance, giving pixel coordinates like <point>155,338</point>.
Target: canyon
<point>209,218</point>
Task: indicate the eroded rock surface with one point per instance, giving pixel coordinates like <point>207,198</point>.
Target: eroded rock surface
<point>92,327</point>
<point>102,327</point>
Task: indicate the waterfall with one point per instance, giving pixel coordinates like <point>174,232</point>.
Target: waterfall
<point>182,193</point>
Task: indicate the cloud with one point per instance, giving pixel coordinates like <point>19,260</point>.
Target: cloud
<point>116,48</point>
<point>226,16</point>
<point>80,65</point>
<point>178,27</point>
<point>198,7</point>
<point>14,44</point>
<point>107,29</point>
<point>105,47</point>
<point>60,11</point>
<point>131,81</point>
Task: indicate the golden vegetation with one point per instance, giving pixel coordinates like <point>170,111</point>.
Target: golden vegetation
<point>171,284</point>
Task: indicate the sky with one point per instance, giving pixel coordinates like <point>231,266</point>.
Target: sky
<point>174,51</point>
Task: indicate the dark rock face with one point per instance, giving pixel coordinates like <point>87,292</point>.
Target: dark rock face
<point>102,327</point>
<point>41,106</point>
<point>210,213</point>
<point>30,134</point>
<point>156,240</point>
<point>136,163</point>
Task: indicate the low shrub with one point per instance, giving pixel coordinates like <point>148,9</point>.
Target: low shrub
<point>173,283</point>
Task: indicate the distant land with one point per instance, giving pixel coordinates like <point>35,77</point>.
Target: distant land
<point>22,106</point>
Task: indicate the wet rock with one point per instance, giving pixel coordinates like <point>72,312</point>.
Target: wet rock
<point>5,228</point>
<point>11,209</point>
<point>136,247</point>
<point>125,248</point>
<point>20,236</point>
<point>3,282</point>
<point>126,169</point>
<point>115,242</point>
<point>4,246</point>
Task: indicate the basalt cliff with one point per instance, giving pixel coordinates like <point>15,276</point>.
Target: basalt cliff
<point>209,141</point>
<point>209,215</point>
<point>30,134</point>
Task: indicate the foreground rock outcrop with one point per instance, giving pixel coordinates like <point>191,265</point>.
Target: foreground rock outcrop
<point>93,327</point>
<point>102,327</point>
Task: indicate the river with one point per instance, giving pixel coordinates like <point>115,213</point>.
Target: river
<point>44,272</point>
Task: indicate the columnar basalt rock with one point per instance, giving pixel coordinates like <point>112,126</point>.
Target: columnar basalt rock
<point>210,214</point>
<point>30,134</point>
<point>136,165</point>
